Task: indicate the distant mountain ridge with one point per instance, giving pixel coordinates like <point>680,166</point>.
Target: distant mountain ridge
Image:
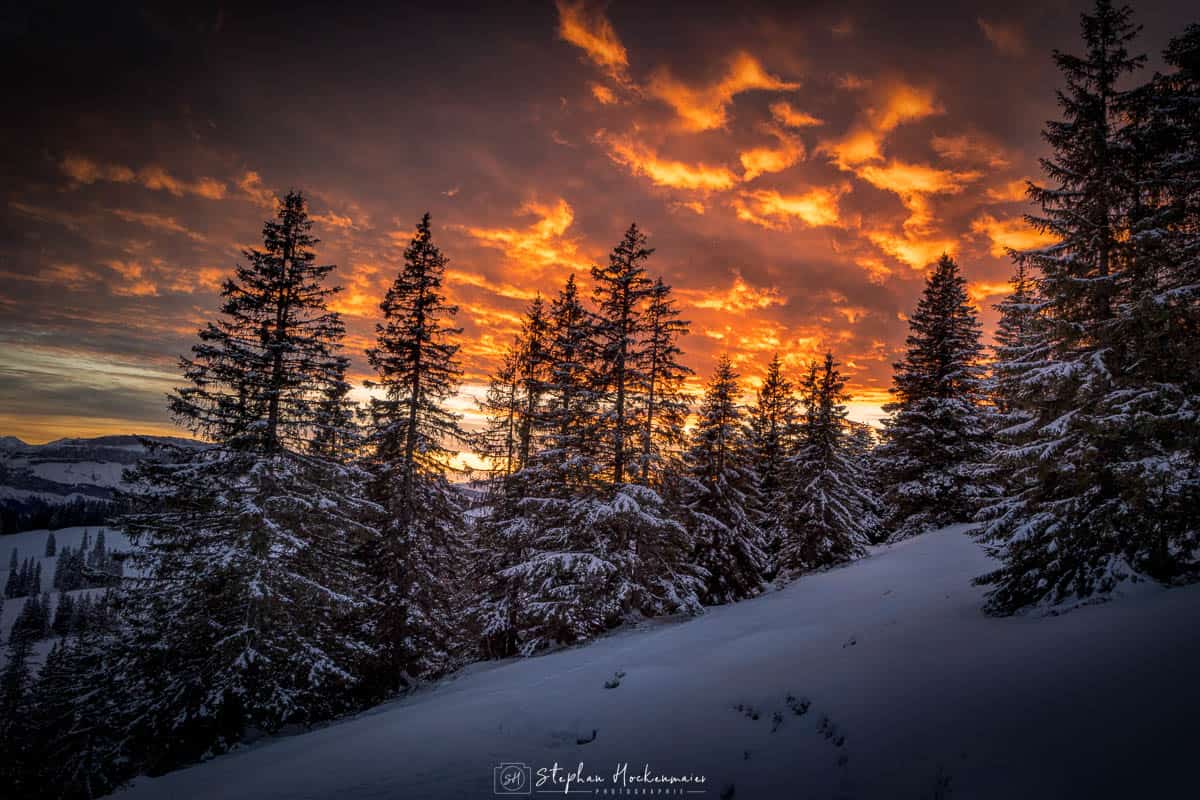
<point>70,481</point>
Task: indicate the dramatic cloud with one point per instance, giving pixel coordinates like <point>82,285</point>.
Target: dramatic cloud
<point>642,160</point>
<point>706,106</point>
<point>761,160</point>
<point>740,297</point>
<point>84,171</point>
<point>796,172</point>
<point>1014,233</point>
<point>770,209</point>
<point>586,27</point>
<point>793,118</point>
<point>545,243</point>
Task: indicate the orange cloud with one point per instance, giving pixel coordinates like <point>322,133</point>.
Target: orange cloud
<point>739,297</point>
<point>702,108</point>
<point>897,103</point>
<point>251,186</point>
<point>971,149</point>
<point>1014,233</point>
<point>66,276</point>
<point>83,170</point>
<point>642,160</point>
<point>1008,39</point>
<point>695,206</point>
<point>586,27</point>
<point>335,220</point>
<point>770,209</point>
<point>158,222</point>
<point>543,244</point>
<point>1009,192</point>
<point>877,271</point>
<point>904,178</point>
<point>793,118</point>
<point>979,291</point>
<point>917,252</point>
<point>509,290</point>
<point>761,160</point>
<point>136,283</point>
<point>603,94</point>
<point>359,296</point>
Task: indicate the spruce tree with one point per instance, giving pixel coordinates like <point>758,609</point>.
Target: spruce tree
<point>621,291</point>
<point>16,679</point>
<point>335,434</point>
<point>496,442</point>
<point>51,546</point>
<point>532,363</point>
<point>1102,474</point>
<point>721,495</point>
<point>568,448</point>
<point>664,406</point>
<point>937,430</point>
<point>829,518</point>
<point>565,553</point>
<point>416,557</point>
<point>247,613</point>
<point>772,428</point>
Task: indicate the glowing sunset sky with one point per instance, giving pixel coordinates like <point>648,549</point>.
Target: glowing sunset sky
<point>797,170</point>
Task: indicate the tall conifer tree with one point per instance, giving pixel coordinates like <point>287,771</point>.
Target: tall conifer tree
<point>410,435</point>
<point>721,494</point>
<point>246,612</point>
<point>936,431</point>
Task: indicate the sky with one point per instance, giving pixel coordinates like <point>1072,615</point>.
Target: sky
<point>797,168</point>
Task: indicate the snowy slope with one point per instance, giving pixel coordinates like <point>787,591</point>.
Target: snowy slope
<point>39,482</point>
<point>893,650</point>
<point>33,544</point>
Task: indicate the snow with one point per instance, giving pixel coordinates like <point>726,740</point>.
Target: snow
<point>33,543</point>
<point>94,473</point>
<point>892,651</point>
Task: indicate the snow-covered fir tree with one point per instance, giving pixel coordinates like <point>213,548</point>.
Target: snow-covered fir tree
<point>771,428</point>
<point>417,555</point>
<point>862,447</point>
<point>830,514</point>
<point>336,435</point>
<point>496,442</point>
<point>567,552</point>
<point>936,431</point>
<point>621,290</point>
<point>663,405</point>
<point>720,493</point>
<point>528,508</point>
<point>245,614</point>
<point>532,375</point>
<point>1103,479</point>
<point>567,450</point>
<point>16,680</point>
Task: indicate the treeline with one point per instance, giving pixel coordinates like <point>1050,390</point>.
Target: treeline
<point>34,513</point>
<point>316,558</point>
<point>604,507</point>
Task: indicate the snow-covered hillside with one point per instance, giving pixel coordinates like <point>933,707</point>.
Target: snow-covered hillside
<point>64,482</point>
<point>905,688</point>
<point>32,544</point>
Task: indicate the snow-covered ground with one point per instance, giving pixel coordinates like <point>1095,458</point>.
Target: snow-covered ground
<point>900,667</point>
